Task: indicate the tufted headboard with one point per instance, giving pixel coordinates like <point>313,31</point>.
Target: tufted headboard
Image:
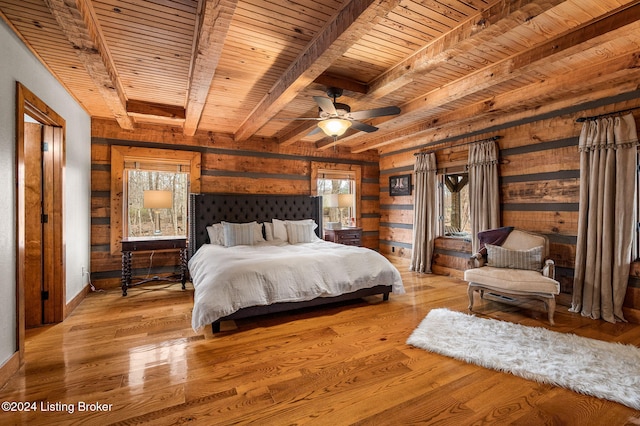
<point>206,209</point>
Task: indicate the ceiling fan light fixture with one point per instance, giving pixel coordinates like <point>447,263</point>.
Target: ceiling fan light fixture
<point>334,127</point>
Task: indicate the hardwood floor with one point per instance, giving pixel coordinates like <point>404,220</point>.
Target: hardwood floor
<point>138,357</point>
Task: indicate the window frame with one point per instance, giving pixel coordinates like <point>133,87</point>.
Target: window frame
<point>317,168</point>
<point>120,155</point>
<point>126,183</point>
<point>442,173</point>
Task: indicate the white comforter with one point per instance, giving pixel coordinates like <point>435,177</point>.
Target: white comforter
<point>227,279</point>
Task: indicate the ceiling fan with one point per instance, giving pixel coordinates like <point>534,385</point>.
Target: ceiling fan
<point>335,118</point>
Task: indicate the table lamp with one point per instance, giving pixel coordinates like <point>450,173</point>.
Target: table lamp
<point>157,200</point>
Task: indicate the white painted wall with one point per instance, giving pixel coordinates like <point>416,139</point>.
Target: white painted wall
<point>17,64</point>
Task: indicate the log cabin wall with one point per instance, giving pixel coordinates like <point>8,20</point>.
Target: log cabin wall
<point>539,188</point>
<point>255,166</point>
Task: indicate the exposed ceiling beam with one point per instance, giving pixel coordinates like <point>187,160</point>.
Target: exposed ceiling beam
<point>471,123</point>
<point>503,16</point>
<point>582,38</point>
<point>78,22</point>
<point>211,31</point>
<point>353,21</point>
<point>580,86</point>
<point>291,136</point>
<point>345,83</point>
<point>155,109</point>
<point>497,19</point>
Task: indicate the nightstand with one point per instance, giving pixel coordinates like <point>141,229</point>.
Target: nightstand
<point>152,244</point>
<point>348,236</point>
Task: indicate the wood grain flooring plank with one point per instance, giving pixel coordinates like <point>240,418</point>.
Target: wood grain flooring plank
<point>338,364</point>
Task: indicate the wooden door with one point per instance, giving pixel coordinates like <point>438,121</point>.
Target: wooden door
<point>52,229</point>
<point>42,279</point>
<point>33,258</point>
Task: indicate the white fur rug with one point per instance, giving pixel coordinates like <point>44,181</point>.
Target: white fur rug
<point>592,367</point>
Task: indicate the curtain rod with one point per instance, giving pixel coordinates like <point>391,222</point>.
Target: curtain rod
<point>493,138</point>
<point>583,119</point>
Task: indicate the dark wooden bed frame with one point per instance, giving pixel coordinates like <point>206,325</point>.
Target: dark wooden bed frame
<point>206,209</point>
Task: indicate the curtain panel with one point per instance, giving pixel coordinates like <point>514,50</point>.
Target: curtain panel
<point>606,218</point>
<point>425,212</point>
<point>484,191</point>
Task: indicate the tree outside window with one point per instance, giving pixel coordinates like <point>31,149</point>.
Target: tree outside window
<point>338,199</point>
<point>340,186</point>
<point>456,213</point>
<point>143,221</point>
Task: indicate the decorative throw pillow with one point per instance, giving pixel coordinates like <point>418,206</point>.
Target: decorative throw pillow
<point>301,232</point>
<point>302,221</point>
<point>258,237</point>
<point>500,257</point>
<point>279,230</point>
<point>268,231</point>
<point>236,234</point>
<point>216,234</point>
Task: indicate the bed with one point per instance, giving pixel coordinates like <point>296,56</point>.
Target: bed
<point>246,280</point>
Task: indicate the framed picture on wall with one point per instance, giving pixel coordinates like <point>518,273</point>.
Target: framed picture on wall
<point>400,185</point>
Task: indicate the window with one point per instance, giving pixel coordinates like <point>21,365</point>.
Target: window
<point>455,206</point>
<point>339,186</point>
<point>136,172</point>
<point>338,195</point>
<point>156,203</point>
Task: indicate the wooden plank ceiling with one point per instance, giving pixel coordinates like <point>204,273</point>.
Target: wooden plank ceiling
<point>246,67</point>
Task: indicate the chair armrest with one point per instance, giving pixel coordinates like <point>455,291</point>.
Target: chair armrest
<point>476,261</point>
<point>549,269</point>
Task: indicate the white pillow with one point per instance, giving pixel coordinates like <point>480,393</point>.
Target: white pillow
<point>257,233</point>
<point>236,234</point>
<point>500,257</point>
<point>216,234</point>
<point>268,231</point>
<point>301,232</point>
<point>315,225</point>
<point>301,221</point>
<point>279,230</point>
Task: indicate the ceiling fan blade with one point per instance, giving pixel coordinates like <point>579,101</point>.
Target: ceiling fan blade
<point>315,131</point>
<point>297,119</point>
<point>376,112</point>
<point>326,105</point>
<point>362,126</point>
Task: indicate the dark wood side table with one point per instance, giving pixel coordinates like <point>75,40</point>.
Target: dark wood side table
<point>152,244</point>
<point>351,236</point>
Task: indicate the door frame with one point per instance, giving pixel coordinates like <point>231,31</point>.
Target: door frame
<point>29,104</point>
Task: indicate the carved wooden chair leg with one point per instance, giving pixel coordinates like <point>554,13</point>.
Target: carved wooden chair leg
<point>470,291</point>
<point>551,308</point>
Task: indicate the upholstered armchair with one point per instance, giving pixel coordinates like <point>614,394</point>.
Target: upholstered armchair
<point>516,266</point>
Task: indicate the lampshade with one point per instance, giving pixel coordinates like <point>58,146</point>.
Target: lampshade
<point>158,199</point>
<point>330,200</point>
<point>334,126</point>
<point>345,200</point>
